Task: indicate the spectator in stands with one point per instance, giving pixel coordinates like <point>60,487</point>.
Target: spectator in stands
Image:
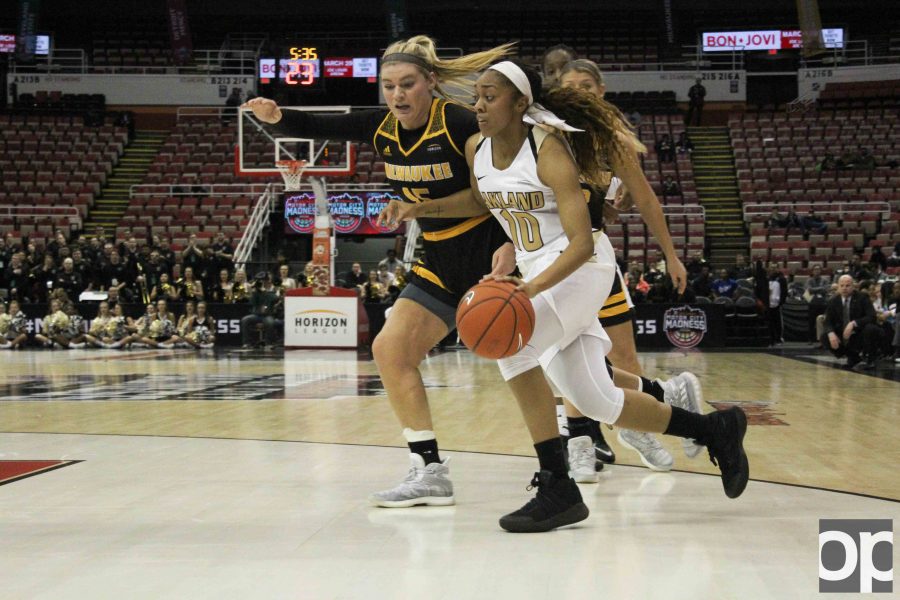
<point>385,276</point>
<point>850,328</point>
<point>878,258</point>
<point>792,221</point>
<point>827,164</point>
<point>776,298</point>
<point>285,281</point>
<point>5,255</point>
<point>670,187</point>
<point>811,223</point>
<point>117,275</point>
<point>696,97</point>
<point>16,277</point>
<point>192,255</point>
<point>552,62</point>
<point>58,242</point>
<point>263,299</point>
<point>702,283</point>
<point>229,115</point>
<point>308,279</point>
<point>634,117</point>
<point>740,270</point>
<point>42,279</point>
<point>355,277</point>
<point>817,286</point>
<point>856,269</point>
<point>154,268</point>
<point>724,286</point>
<point>223,251</point>
<point>775,220</point>
<point>165,252</point>
<point>894,259</point>
<point>209,268</point>
<point>665,149</point>
<point>684,145</point>
<point>864,160</point>
<point>69,280</point>
<point>391,262</point>
<point>696,265</point>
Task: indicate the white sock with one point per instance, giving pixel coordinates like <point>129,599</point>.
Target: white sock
<point>412,435</point>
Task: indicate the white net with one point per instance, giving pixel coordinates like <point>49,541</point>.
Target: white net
<point>292,173</point>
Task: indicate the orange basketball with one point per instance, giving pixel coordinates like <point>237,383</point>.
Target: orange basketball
<point>494,319</point>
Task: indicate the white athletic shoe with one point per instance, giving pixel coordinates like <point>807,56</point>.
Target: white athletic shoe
<point>582,463</point>
<point>424,484</point>
<point>684,391</point>
<point>652,453</point>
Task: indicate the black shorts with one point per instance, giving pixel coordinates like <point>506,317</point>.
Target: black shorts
<point>455,259</point>
<point>618,307</point>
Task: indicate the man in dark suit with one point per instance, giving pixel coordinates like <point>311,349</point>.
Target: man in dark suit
<point>850,328</point>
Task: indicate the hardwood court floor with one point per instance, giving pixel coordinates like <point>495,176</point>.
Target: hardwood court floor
<point>188,489</point>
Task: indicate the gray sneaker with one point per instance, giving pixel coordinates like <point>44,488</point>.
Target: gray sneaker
<point>652,454</point>
<point>424,484</point>
<point>582,462</point>
<point>684,391</point>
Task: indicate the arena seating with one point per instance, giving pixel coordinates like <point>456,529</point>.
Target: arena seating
<point>776,157</point>
<point>130,49</point>
<point>593,34</point>
<point>860,94</point>
<point>197,151</point>
<point>51,160</point>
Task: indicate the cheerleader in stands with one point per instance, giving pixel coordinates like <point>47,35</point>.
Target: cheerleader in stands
<point>165,290</point>
<point>191,288</point>
<point>221,293</point>
<point>203,329</point>
<point>240,290</point>
<point>97,331</point>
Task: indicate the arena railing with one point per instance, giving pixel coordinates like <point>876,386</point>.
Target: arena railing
<point>18,211</point>
<point>832,208</point>
<point>259,218</point>
<point>197,189</point>
<point>205,62</point>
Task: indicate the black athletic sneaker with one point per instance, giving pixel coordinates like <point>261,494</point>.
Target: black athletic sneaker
<point>602,450</point>
<point>557,503</point>
<point>726,449</point>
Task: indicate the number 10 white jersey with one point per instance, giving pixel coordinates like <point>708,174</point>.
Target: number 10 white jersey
<point>525,207</point>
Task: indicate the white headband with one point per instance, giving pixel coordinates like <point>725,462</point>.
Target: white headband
<point>536,114</point>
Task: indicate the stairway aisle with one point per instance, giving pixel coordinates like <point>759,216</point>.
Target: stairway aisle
<point>717,189</point>
<point>112,202</point>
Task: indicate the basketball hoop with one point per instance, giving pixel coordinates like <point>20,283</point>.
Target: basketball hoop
<point>292,173</point>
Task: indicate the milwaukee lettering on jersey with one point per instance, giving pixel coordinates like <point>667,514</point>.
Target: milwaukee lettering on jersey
<point>516,200</point>
<point>435,172</point>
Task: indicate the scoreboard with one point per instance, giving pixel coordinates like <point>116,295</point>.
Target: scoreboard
<point>307,66</point>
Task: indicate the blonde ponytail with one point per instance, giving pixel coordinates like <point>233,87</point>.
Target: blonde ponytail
<point>456,73</point>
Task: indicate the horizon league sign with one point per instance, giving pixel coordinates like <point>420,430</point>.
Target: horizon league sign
<point>727,41</point>
<point>351,212</point>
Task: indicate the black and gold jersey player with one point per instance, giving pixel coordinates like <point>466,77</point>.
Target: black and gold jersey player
<point>421,164</point>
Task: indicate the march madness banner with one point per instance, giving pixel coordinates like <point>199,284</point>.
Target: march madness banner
<point>352,213</point>
<point>681,326</point>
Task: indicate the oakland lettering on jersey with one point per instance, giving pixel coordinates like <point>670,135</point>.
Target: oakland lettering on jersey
<point>435,172</point>
<point>517,200</point>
